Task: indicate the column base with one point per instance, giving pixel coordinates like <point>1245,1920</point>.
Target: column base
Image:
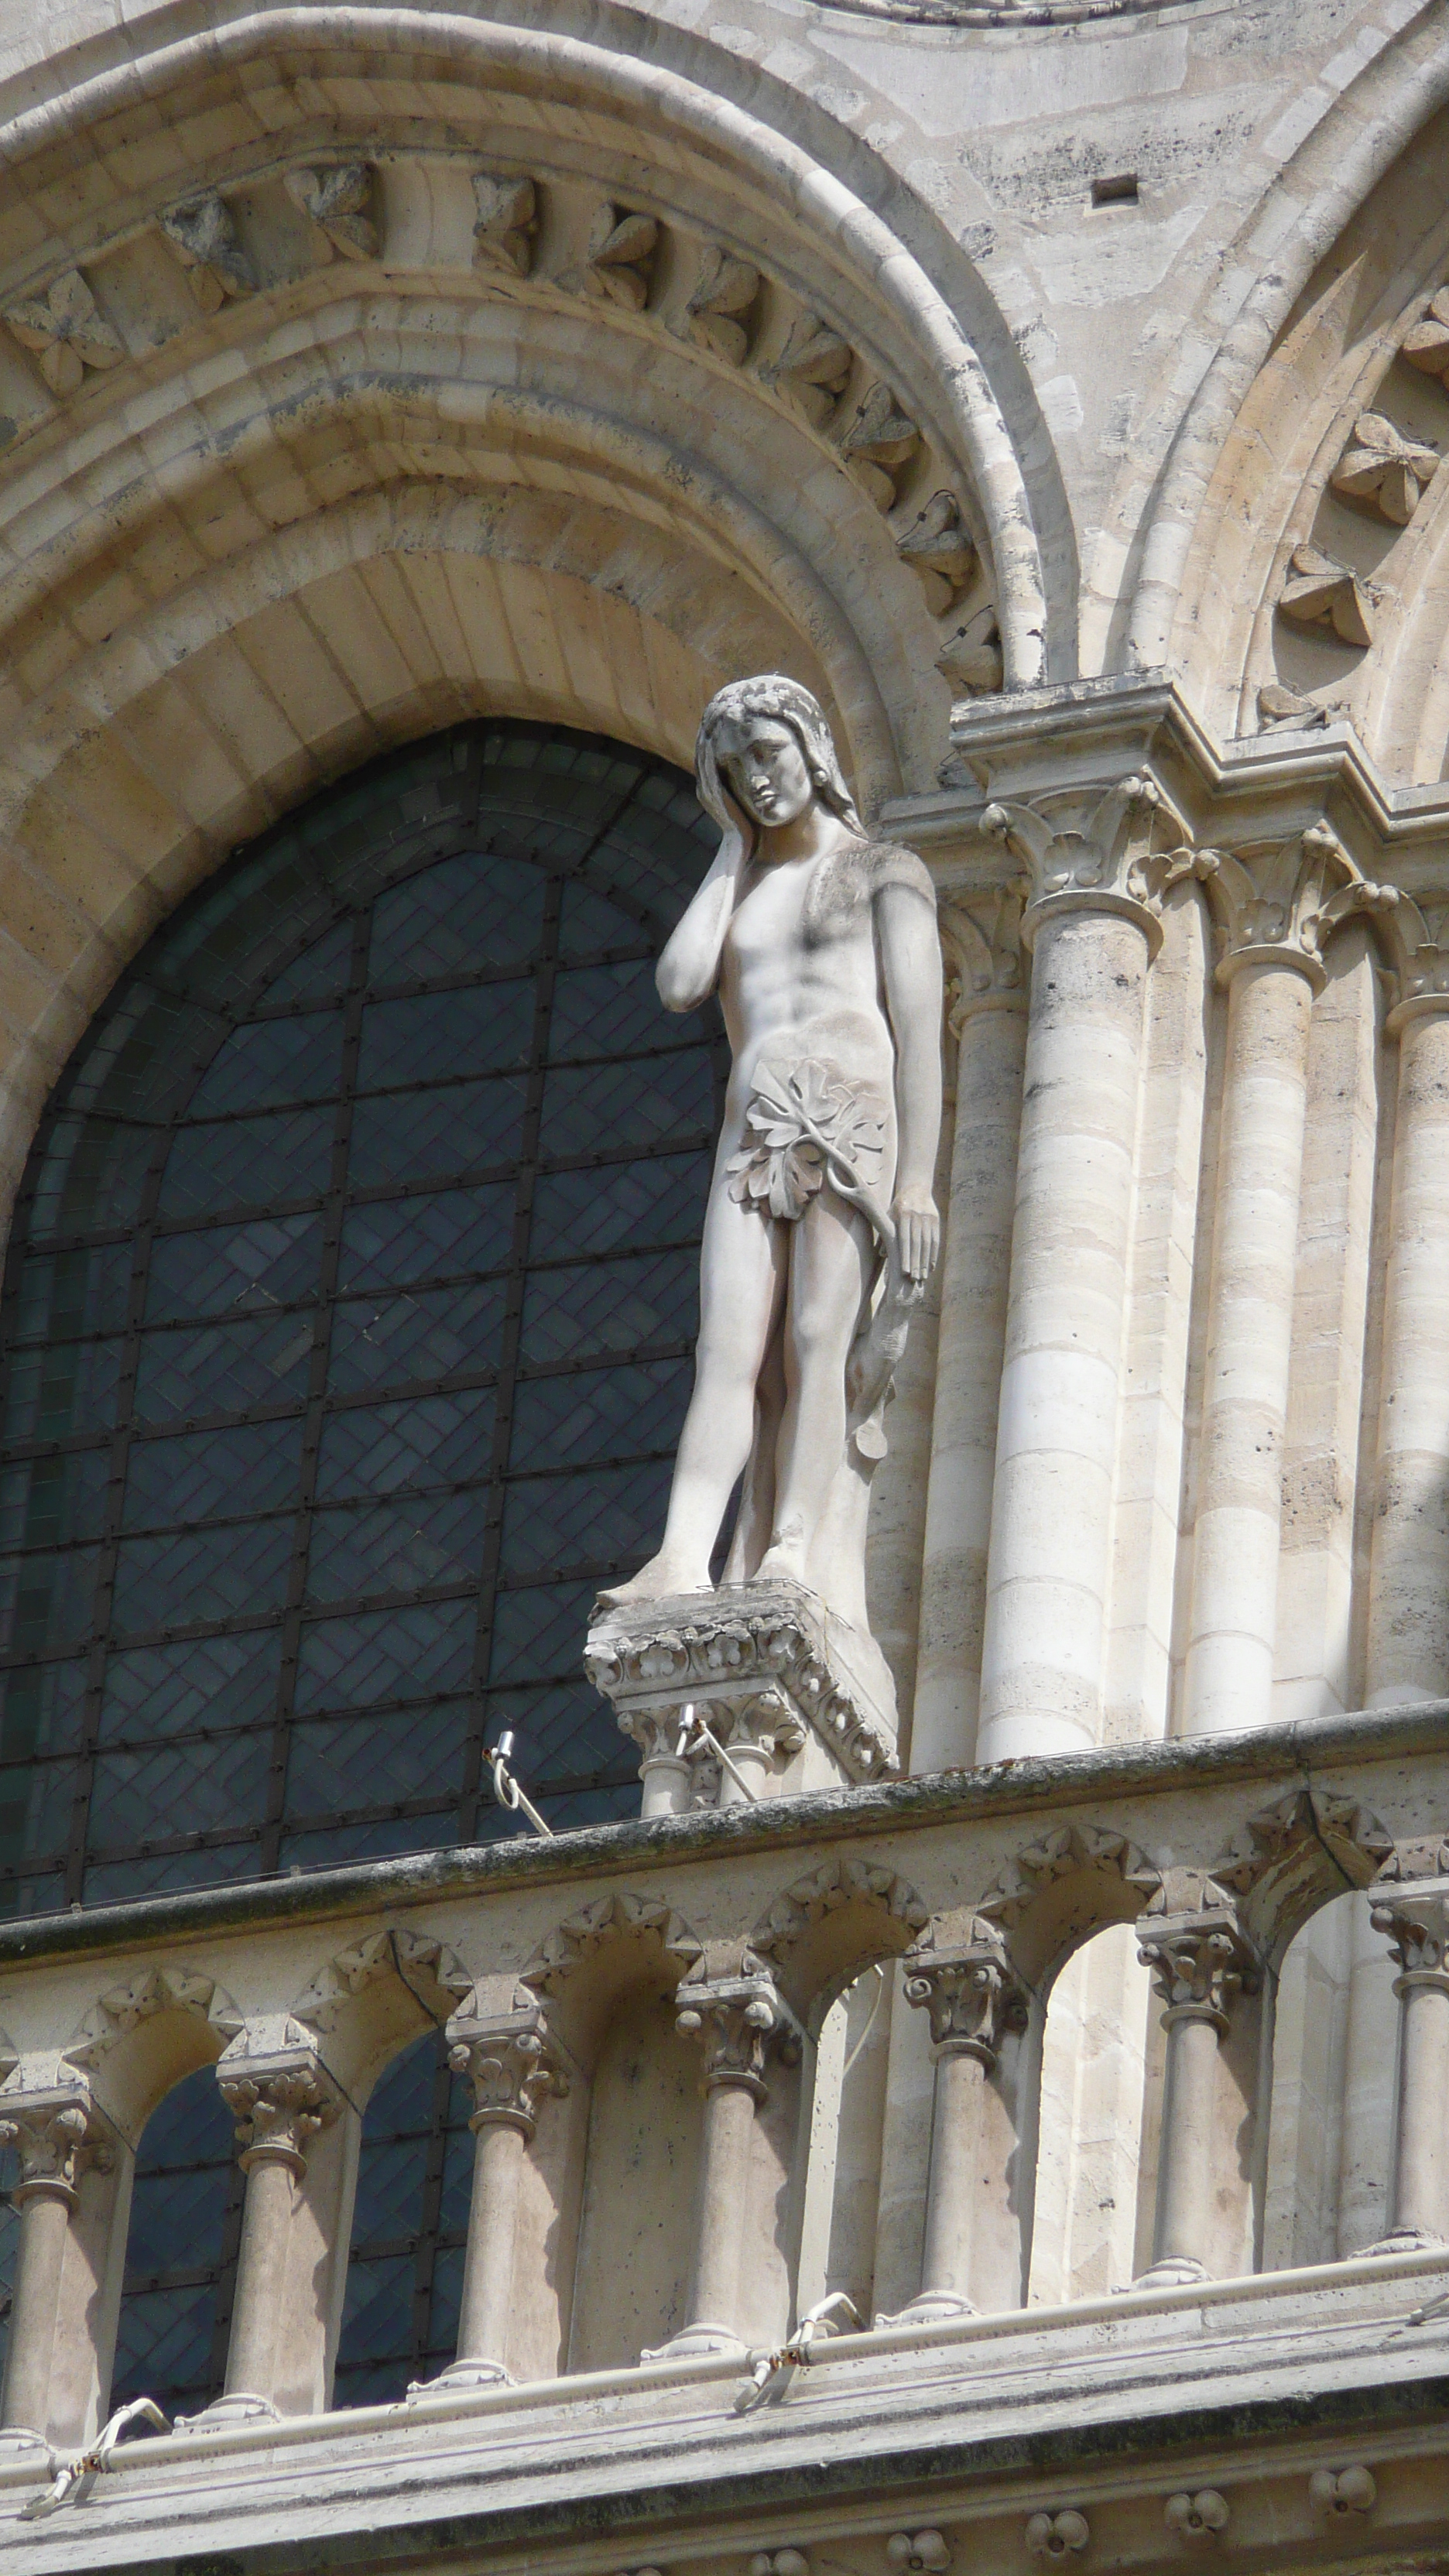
<point>932,2308</point>
<point>1404,2240</point>
<point>464,2374</point>
<point>1174,2272</point>
<point>699,2343</point>
<point>223,2412</point>
<point>17,2443</point>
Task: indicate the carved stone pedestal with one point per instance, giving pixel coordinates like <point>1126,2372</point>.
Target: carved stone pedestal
<point>797,1697</point>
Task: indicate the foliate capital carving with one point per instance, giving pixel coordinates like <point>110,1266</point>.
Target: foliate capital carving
<point>1201,1963</point>
<point>1121,853</point>
<point>1416,1927</point>
<point>57,2137</point>
<point>1279,903</point>
<point>280,2104</point>
<point>512,2064</point>
<point>986,967</point>
<point>1416,936</point>
<point>740,2022</point>
<point>972,1996</point>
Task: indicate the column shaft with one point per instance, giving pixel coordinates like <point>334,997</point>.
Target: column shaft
<point>975,1275</point>
<point>1185,2166</point>
<point>1421,2151</point>
<point>492,2234</point>
<point>35,2309</point>
<point>951,2192</point>
<point>260,2277</point>
<point>1229,1674</point>
<point>714,2289</point>
<point>1051,1512</point>
<point>1408,1620</point>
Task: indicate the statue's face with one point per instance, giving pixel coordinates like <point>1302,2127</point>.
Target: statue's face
<point>765,767</point>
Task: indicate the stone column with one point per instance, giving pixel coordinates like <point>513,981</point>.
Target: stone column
<point>1408,1618</point>
<point>280,2102</point>
<point>988,1020</point>
<point>972,1997</point>
<point>740,2022</point>
<point>1056,1447</point>
<point>1280,906</point>
<point>1417,1927</point>
<point>1201,1963</point>
<point>57,2136</point>
<point>513,2066</point>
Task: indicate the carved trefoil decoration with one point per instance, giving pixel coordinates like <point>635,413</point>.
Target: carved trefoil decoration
<point>338,202</point>
<point>939,549</point>
<point>203,237</point>
<point>878,442</point>
<point>1319,592</point>
<point>813,367</point>
<point>507,221</point>
<point>1382,467</point>
<point>619,261</point>
<point>726,293</point>
<point>66,332</point>
<point>1426,346</point>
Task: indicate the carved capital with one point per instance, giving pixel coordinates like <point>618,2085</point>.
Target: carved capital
<point>513,2065</point>
<point>986,968</point>
<point>1279,903</point>
<point>1201,1963</point>
<point>740,2022</point>
<point>972,1996</point>
<point>57,2137</point>
<point>279,2104</point>
<point>1121,853</point>
<point>1417,1930</point>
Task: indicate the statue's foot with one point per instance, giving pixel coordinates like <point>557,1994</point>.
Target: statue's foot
<point>656,1581</point>
<point>782,1562</point>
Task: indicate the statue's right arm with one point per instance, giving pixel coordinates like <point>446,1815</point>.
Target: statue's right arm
<point>688,969</point>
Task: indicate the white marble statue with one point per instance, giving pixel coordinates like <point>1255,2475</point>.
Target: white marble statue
<point>821,1229</point>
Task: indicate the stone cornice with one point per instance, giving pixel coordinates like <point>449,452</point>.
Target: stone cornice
<point>1293,1756</point>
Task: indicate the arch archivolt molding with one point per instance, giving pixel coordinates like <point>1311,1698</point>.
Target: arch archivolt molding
<point>418,1960</point>
<point>169,1986</point>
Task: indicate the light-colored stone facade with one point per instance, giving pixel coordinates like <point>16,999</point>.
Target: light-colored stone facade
<point>1059,393</point>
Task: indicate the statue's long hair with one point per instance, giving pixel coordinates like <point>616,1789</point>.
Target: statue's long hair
<point>780,701</point>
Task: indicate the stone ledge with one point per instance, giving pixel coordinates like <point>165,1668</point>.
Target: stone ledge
<point>1292,1754</point>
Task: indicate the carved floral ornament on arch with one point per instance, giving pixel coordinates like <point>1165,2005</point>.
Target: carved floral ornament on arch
<point>529,234</point>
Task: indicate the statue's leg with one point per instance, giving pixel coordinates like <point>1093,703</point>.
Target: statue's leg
<point>743,1264</point>
<point>832,1264</point>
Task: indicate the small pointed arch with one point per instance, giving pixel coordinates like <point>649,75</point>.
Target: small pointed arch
<point>1062,1888</point>
<point>829,1925</point>
<point>381,1991</point>
<point>1290,1859</point>
<point>143,2036</point>
<point>619,1944</point>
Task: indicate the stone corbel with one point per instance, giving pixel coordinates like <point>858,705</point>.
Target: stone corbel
<point>337,202</point>
<point>65,332</point>
<point>1279,904</point>
<point>1122,854</point>
<point>203,237</point>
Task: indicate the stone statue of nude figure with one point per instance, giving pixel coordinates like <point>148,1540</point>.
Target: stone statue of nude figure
<point>821,1229</point>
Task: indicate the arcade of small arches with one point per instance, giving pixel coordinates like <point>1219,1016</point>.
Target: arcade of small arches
<point>658,2122</point>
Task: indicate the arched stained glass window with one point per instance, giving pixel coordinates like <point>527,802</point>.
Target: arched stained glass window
<point>185,2225</point>
<point>410,2224</point>
<point>347,1326</point>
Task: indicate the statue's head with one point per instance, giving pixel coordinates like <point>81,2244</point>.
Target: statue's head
<point>765,747</point>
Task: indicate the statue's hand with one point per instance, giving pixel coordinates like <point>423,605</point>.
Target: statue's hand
<point>918,1231</point>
